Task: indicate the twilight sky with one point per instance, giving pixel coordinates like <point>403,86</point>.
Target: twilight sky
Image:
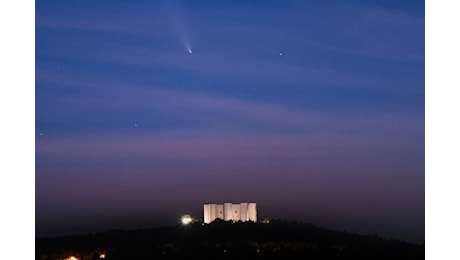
<point>313,110</point>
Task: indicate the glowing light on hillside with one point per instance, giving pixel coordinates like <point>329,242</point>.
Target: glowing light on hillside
<point>186,219</point>
<point>71,258</point>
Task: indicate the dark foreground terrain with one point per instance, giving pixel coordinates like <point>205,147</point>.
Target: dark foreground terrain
<point>223,240</point>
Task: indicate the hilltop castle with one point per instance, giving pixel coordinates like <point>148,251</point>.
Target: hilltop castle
<point>228,211</point>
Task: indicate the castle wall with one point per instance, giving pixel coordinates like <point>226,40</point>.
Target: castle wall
<point>207,213</point>
<point>252,212</point>
<point>230,212</point>
<point>220,211</point>
<point>227,211</point>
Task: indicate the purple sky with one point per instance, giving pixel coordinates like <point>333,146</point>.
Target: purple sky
<point>315,111</point>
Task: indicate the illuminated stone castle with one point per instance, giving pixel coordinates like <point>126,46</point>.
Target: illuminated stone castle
<point>228,211</point>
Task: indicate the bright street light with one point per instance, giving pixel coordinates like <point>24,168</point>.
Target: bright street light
<point>186,219</point>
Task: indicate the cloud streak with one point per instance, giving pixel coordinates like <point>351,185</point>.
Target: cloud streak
<point>219,110</point>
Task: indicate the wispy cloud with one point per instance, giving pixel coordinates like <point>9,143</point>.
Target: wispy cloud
<point>371,32</point>
<point>217,111</point>
<point>379,33</point>
<point>118,17</point>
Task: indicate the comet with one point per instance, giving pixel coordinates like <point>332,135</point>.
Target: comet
<point>187,45</point>
<point>178,24</point>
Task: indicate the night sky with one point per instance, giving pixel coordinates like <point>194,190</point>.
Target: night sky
<point>314,110</point>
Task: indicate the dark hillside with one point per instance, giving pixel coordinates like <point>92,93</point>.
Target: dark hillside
<point>224,240</point>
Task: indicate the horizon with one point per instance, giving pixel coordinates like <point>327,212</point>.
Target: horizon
<point>195,221</point>
<point>275,240</point>
<point>200,222</point>
<point>131,224</point>
<point>314,111</point>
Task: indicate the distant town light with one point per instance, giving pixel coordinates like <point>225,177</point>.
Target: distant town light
<point>101,256</point>
<point>186,219</point>
<point>71,258</point>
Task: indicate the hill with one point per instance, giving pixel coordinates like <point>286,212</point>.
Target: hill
<point>225,240</point>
